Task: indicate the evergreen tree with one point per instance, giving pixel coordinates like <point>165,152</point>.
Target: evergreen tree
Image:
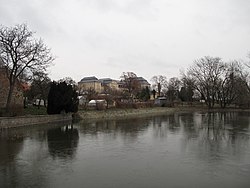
<point>62,98</point>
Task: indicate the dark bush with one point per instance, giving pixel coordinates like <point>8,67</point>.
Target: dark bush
<point>62,98</point>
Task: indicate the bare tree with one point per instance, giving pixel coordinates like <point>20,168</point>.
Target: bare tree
<point>20,52</point>
<point>40,87</point>
<point>173,88</point>
<point>187,90</point>
<point>248,62</point>
<point>231,83</point>
<point>130,82</point>
<point>159,82</point>
<point>206,72</point>
<point>68,80</point>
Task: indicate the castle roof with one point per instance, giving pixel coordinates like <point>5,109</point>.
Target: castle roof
<point>89,79</point>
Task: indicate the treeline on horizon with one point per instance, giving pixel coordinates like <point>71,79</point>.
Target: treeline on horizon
<point>211,80</point>
<point>208,79</point>
<point>24,58</point>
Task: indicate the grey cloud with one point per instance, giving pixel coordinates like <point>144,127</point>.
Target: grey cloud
<point>222,17</point>
<point>34,13</point>
<point>147,36</point>
<point>138,8</point>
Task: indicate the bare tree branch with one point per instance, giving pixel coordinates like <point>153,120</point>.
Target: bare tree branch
<point>21,52</point>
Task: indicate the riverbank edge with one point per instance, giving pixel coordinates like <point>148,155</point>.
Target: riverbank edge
<point>143,112</point>
<point>110,114</point>
<point>21,121</point>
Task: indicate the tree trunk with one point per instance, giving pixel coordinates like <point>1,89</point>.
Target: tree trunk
<point>9,99</point>
<point>159,89</point>
<point>39,104</point>
<point>45,103</point>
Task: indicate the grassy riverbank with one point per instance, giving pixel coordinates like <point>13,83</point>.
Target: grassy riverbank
<point>31,118</point>
<point>128,113</point>
<point>34,110</point>
<point>143,112</point>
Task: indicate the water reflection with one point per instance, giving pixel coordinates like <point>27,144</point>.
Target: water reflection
<point>214,136</point>
<point>209,134</point>
<point>202,149</point>
<point>63,141</point>
<point>127,129</point>
<point>11,143</point>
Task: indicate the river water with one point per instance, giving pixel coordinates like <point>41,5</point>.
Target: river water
<point>178,150</point>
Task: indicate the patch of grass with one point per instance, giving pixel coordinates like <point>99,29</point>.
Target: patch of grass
<point>34,110</point>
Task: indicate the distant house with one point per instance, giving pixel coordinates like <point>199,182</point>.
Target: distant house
<point>90,83</point>
<point>94,102</point>
<point>143,82</point>
<point>97,104</point>
<point>160,101</point>
<point>17,97</point>
<point>104,84</point>
<point>98,85</point>
<point>108,83</point>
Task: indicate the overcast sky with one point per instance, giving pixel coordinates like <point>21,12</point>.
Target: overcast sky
<point>104,38</point>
